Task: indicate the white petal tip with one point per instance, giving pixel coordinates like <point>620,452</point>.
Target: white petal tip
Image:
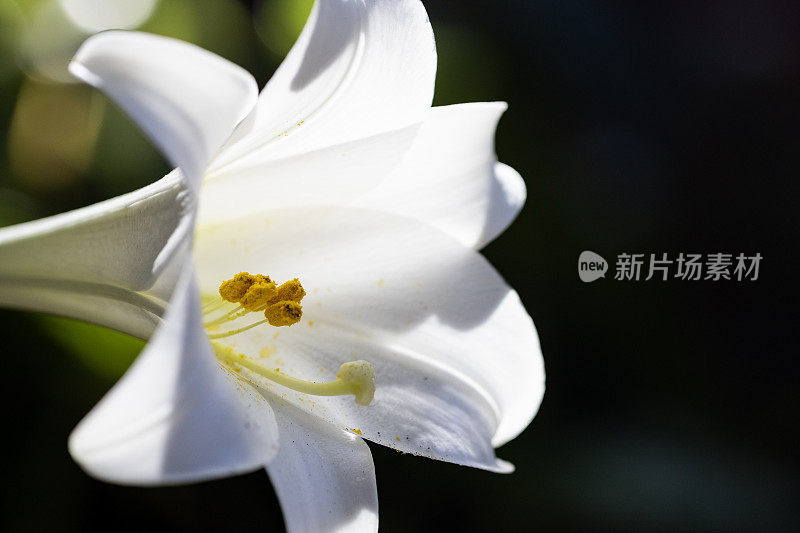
<point>511,184</point>
<point>504,467</point>
<point>82,73</point>
<point>186,99</point>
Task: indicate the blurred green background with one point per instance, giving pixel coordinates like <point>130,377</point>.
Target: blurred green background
<point>638,128</point>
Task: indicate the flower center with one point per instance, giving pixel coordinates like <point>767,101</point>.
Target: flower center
<point>280,306</point>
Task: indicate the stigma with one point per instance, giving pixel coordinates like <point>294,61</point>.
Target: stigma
<point>281,307</point>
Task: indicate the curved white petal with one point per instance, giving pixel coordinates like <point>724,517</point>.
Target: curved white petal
<point>186,99</point>
<point>119,242</point>
<point>360,68</point>
<point>324,476</point>
<point>420,406</point>
<point>104,305</point>
<point>409,299</point>
<point>176,415</point>
<point>508,197</point>
<point>332,175</point>
<point>450,177</point>
<point>89,263</point>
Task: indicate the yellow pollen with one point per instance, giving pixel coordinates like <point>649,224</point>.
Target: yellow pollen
<point>284,313</point>
<point>234,289</point>
<point>355,378</point>
<point>291,290</point>
<point>280,304</point>
<point>258,296</point>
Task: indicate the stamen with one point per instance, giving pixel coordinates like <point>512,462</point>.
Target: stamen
<point>233,289</point>
<point>214,305</point>
<point>235,331</point>
<point>291,290</point>
<point>227,317</point>
<point>284,313</point>
<point>355,378</point>
<point>258,296</point>
<point>281,305</point>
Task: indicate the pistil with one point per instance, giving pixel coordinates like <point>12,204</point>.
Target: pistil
<point>355,378</point>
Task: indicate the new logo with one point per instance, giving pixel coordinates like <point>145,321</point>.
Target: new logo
<point>591,266</point>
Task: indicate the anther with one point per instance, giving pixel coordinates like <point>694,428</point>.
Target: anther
<point>280,304</point>
<point>258,296</point>
<point>234,289</point>
<point>292,291</point>
<point>284,313</point>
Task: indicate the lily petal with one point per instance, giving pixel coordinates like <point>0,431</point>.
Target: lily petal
<point>176,415</point>
<point>91,263</point>
<point>420,407</point>
<point>407,298</point>
<point>324,476</point>
<point>332,175</point>
<point>450,178</point>
<point>186,99</point>
<point>358,69</point>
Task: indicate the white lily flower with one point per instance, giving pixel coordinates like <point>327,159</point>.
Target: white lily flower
<point>340,174</point>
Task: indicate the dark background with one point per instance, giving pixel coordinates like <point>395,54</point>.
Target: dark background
<point>639,128</point>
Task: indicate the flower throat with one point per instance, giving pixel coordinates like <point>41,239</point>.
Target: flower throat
<point>280,306</point>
